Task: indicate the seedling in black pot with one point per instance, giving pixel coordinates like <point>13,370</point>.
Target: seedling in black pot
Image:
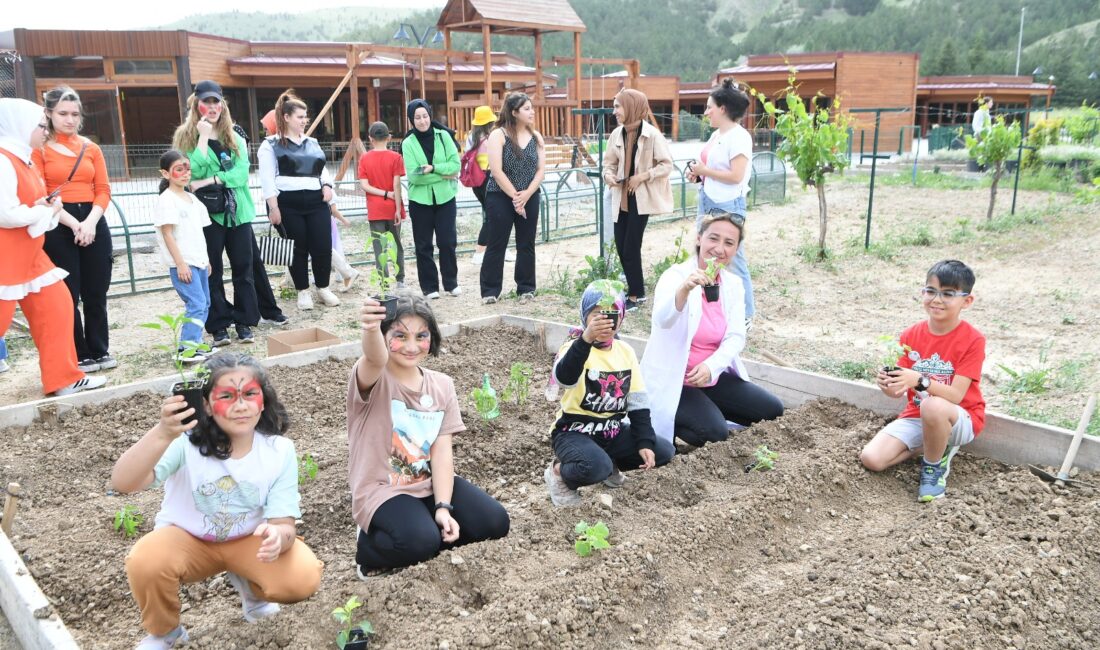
<point>354,636</point>
<point>382,277</point>
<point>892,350</point>
<point>182,353</point>
<point>610,291</point>
<point>710,289</point>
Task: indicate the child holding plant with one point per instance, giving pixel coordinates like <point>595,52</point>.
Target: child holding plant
<point>939,378</point>
<point>406,498</point>
<point>603,385</point>
<point>230,501</point>
<point>179,219</point>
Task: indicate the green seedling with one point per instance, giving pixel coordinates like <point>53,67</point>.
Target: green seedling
<point>892,350</point>
<point>179,351</point>
<point>609,292</point>
<point>127,521</point>
<point>591,538</point>
<point>712,270</point>
<point>382,277</point>
<point>764,459</point>
<point>307,469</point>
<point>519,380</point>
<point>485,400</point>
<point>345,616</point>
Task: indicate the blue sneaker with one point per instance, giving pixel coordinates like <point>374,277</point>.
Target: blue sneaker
<point>933,482</point>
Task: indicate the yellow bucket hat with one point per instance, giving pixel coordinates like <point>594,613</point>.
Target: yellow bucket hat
<point>483,115</point>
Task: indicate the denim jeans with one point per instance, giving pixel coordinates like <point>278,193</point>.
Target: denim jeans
<point>3,349</point>
<point>740,265</point>
<point>196,301</point>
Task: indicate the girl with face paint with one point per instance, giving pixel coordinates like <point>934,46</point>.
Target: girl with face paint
<point>406,498</point>
<point>230,500</point>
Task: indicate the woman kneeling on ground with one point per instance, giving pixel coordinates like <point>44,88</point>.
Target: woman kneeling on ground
<point>692,363</point>
<point>406,499</point>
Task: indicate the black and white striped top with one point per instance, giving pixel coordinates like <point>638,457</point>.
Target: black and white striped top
<point>520,169</point>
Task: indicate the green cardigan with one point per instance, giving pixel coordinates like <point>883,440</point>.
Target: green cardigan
<point>236,179</point>
<point>423,188</point>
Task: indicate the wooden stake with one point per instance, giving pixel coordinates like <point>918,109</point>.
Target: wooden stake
<point>11,503</point>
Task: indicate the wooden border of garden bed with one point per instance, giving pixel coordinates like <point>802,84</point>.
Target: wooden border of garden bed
<point>1006,439</point>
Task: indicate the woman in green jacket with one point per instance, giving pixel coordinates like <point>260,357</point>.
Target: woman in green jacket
<point>432,165</point>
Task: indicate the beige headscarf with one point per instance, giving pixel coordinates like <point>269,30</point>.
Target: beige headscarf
<point>635,109</point>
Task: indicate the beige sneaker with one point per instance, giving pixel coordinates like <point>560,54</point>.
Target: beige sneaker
<point>305,300</point>
<point>328,297</point>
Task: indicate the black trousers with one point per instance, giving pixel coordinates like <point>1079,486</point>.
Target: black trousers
<point>89,279</point>
<point>702,413</point>
<point>239,243</point>
<point>502,217</point>
<point>629,229</point>
<point>403,531</point>
<point>483,234</point>
<point>265,296</point>
<point>585,462</point>
<point>435,225</point>
<point>308,221</point>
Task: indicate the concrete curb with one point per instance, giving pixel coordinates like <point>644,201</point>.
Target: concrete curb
<point>28,610</point>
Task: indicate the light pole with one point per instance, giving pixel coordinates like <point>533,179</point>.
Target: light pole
<point>1020,41</point>
<point>402,35</point>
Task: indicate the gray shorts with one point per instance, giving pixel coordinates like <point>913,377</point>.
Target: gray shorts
<point>911,433</point>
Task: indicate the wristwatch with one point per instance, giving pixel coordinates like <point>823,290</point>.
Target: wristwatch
<point>923,384</point>
<point>444,504</point>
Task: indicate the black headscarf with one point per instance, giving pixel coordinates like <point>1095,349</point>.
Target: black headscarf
<point>426,138</point>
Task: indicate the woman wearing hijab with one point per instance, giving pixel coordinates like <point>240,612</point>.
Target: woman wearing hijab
<point>28,279</point>
<point>636,166</point>
<point>432,165</point>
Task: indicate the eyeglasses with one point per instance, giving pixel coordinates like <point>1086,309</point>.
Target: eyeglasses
<point>930,293</point>
<point>716,214</point>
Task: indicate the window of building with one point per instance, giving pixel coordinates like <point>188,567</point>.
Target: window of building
<point>143,66</point>
<point>68,67</point>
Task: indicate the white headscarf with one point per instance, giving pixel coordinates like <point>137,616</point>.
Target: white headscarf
<point>18,120</point>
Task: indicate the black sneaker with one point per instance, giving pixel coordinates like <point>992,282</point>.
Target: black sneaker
<point>631,305</point>
<point>221,337</point>
<point>106,362</point>
<point>244,334</point>
<point>88,365</point>
<point>279,320</point>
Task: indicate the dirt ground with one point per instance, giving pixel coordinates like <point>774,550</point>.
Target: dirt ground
<point>815,554</point>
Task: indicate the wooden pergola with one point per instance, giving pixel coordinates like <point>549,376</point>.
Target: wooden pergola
<point>503,17</point>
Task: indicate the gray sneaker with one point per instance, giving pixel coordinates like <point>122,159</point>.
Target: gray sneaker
<point>616,480</point>
<point>560,494</point>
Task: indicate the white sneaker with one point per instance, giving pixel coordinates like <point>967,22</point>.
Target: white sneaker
<point>174,638</point>
<point>4,367</point>
<point>305,301</point>
<point>489,300</point>
<point>328,297</point>
<point>509,255</point>
<point>560,494</point>
<point>254,609</point>
<point>348,281</point>
<point>432,296</point>
<point>457,291</point>
<point>87,383</point>
<point>479,257</point>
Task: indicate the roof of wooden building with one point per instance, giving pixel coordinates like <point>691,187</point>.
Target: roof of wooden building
<point>510,17</point>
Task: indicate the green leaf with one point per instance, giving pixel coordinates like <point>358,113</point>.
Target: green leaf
<point>366,626</point>
<point>600,530</point>
<point>583,548</point>
<point>581,528</point>
<point>340,615</point>
<point>342,639</point>
<point>152,326</point>
<point>599,543</point>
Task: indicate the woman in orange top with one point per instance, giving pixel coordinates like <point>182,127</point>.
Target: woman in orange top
<point>28,279</point>
<point>81,244</point>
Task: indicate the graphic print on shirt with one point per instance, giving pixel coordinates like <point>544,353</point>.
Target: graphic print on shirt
<point>604,393</point>
<point>935,368</point>
<point>414,432</point>
<point>225,505</point>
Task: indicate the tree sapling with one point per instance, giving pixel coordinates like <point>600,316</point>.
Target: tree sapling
<point>763,459</point>
<point>591,538</point>
<point>354,636</point>
<point>519,380</point>
<point>127,521</point>
<point>382,278</point>
<point>183,352</point>
<point>710,289</point>
<point>485,399</point>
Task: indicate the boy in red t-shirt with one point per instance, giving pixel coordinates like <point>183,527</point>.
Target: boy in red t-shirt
<point>939,377</point>
<point>380,172</point>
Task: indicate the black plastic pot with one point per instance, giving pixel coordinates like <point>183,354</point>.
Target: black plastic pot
<point>357,640</point>
<point>613,314</point>
<point>889,369</point>
<point>390,303</point>
<point>192,394</point>
<point>710,292</point>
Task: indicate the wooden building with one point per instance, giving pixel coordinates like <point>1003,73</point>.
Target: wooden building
<point>951,101</point>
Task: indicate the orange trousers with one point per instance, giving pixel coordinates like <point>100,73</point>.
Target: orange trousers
<point>49,313</point>
<point>162,560</point>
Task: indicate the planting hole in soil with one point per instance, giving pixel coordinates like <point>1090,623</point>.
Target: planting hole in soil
<point>815,553</point>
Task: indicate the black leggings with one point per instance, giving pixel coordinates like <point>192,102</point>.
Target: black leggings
<point>585,462</point>
<point>629,229</point>
<point>483,234</point>
<point>308,221</point>
<point>403,531</point>
<point>702,413</point>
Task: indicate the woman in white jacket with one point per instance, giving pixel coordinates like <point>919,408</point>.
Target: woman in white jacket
<point>692,364</point>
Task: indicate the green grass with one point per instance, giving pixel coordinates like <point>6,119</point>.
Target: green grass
<point>846,369</point>
<point>925,179</point>
<point>1055,416</point>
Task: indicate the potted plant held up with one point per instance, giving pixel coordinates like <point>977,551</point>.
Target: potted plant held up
<point>710,289</point>
<point>610,291</point>
<point>382,277</point>
<point>182,353</point>
<point>354,636</point>
<point>892,350</point>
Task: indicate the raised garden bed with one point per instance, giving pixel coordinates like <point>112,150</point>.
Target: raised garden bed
<point>816,553</point>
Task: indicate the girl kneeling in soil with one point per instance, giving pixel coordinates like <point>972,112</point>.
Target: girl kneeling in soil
<point>230,501</point>
<point>405,496</point>
<point>692,362</point>
<point>603,385</point>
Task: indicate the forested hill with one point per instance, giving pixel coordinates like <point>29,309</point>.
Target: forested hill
<point>694,39</point>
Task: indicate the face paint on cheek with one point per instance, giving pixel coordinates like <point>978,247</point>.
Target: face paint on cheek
<point>396,345</point>
<point>203,110</point>
<point>424,344</point>
<point>253,392</point>
<point>226,397</point>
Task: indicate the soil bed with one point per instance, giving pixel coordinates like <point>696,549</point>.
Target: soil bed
<point>817,553</point>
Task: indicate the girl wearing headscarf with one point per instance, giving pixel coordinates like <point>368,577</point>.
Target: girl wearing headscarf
<point>28,279</point>
<point>432,165</point>
<point>603,385</point>
<point>636,166</point>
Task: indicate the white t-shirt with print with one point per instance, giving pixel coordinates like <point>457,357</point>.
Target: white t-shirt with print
<point>220,500</point>
<point>188,216</point>
<point>720,150</point>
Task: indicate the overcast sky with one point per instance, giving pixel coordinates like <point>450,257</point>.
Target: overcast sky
<point>128,14</point>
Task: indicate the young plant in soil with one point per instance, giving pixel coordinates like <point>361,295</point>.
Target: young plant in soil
<point>763,460</point>
<point>485,400</point>
<point>382,278</point>
<point>892,350</point>
<point>519,380</point>
<point>180,352</point>
<point>354,636</point>
<point>127,521</point>
<point>710,289</point>
<point>307,469</point>
<point>609,290</point>
<point>591,538</point>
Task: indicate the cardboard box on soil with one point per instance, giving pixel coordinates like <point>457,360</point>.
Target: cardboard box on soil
<point>298,340</point>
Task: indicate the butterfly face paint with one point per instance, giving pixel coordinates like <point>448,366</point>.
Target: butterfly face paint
<point>409,340</point>
<point>239,390</point>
